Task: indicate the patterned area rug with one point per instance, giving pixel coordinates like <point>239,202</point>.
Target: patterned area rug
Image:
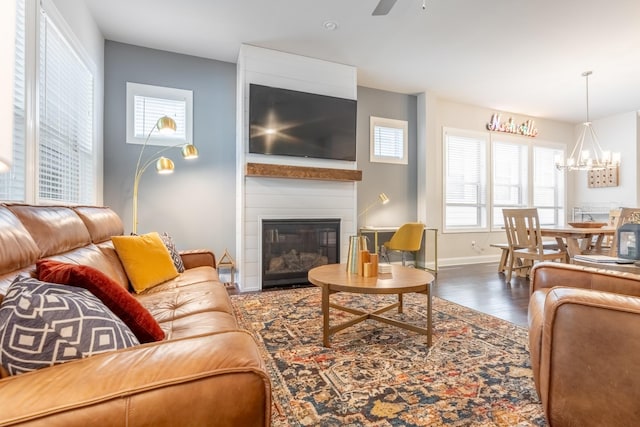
<point>477,373</point>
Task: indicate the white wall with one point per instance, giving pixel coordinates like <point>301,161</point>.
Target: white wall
<point>275,198</point>
<point>433,115</point>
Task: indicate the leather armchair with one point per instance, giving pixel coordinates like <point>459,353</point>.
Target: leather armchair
<point>584,338</point>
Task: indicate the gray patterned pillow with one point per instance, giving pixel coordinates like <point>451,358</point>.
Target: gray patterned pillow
<point>42,324</point>
<point>175,254</point>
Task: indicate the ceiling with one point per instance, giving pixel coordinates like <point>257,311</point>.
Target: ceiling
<point>520,56</point>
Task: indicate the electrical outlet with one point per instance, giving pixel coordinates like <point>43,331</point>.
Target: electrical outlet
<point>473,244</point>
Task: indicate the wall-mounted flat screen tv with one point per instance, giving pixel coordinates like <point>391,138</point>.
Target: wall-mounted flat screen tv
<point>291,123</point>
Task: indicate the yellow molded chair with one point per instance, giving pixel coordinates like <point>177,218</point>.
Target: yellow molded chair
<point>408,238</point>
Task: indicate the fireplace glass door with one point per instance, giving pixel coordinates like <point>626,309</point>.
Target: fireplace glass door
<point>292,247</point>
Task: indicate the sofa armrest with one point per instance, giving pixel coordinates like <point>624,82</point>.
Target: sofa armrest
<point>588,366</point>
<point>198,258</point>
<point>552,274</point>
<point>202,380</point>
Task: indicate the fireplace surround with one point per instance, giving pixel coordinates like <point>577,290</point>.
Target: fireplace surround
<point>292,247</point>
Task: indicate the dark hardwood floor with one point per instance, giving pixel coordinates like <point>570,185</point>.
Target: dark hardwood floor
<point>482,288</point>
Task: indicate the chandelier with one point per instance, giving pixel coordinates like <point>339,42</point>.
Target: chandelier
<point>581,157</point>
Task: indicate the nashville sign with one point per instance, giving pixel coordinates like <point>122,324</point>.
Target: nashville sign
<point>526,128</point>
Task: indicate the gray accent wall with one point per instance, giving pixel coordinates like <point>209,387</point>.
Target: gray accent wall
<point>196,204</point>
<point>398,182</point>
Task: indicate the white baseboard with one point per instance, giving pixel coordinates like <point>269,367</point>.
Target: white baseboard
<point>446,262</point>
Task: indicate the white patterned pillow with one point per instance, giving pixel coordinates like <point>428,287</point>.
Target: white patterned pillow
<point>42,324</point>
<point>175,254</point>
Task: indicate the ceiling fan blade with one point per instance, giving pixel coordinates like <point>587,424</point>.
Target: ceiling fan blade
<point>383,7</point>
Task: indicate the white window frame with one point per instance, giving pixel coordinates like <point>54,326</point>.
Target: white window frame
<point>560,197</point>
<point>401,125</point>
<point>483,204</point>
<point>181,136</point>
<point>524,186</point>
<point>528,199</point>
<point>29,167</point>
<point>67,168</point>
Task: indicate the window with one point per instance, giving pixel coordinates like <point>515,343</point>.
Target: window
<point>388,140</point>
<point>465,206</point>
<point>65,140</point>
<point>519,172</point>
<point>548,185</point>
<point>54,160</point>
<point>147,103</point>
<point>510,177</point>
<point>12,183</point>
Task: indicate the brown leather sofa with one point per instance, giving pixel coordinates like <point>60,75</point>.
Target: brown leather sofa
<point>205,372</point>
<point>584,337</point>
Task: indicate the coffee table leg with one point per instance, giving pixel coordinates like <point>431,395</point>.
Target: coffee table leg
<point>325,316</point>
<point>400,303</point>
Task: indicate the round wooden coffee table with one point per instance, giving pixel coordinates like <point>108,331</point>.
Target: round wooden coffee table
<point>333,278</point>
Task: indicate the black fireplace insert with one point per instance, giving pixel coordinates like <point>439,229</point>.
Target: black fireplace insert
<point>292,247</point>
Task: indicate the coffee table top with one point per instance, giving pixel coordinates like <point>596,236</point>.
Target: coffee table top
<point>400,280</point>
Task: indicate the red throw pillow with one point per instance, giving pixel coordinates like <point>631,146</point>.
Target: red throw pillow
<point>116,298</point>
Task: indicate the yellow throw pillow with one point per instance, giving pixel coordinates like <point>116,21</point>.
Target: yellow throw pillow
<point>145,259</point>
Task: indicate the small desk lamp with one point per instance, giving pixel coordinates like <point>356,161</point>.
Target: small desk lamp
<point>164,165</point>
<point>382,198</point>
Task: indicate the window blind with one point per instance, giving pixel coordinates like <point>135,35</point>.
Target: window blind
<point>548,185</point>
<point>147,111</point>
<point>465,182</point>
<point>389,142</point>
<point>65,142</point>
<point>510,177</point>
<point>12,183</point>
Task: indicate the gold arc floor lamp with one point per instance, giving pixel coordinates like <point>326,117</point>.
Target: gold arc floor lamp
<point>164,165</point>
<point>382,199</point>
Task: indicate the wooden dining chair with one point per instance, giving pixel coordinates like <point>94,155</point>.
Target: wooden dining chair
<point>525,241</point>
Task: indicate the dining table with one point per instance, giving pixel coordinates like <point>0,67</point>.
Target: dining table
<point>578,240</point>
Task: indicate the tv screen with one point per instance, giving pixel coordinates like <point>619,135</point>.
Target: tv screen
<point>291,123</point>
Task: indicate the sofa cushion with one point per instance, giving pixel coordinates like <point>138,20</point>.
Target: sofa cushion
<point>102,222</point>
<point>92,255</point>
<point>55,229</point>
<point>42,324</point>
<point>111,255</point>
<point>117,299</point>
<point>173,251</point>
<point>17,247</point>
<point>145,259</point>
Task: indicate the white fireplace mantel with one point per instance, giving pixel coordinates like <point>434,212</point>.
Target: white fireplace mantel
<point>259,196</point>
